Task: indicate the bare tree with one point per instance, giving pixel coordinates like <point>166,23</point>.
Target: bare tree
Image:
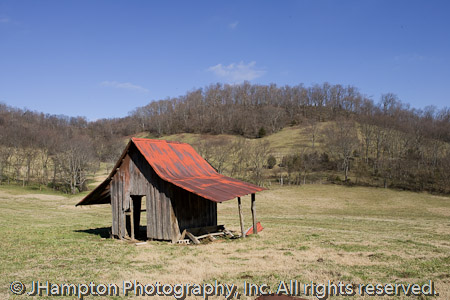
<point>367,132</point>
<point>221,155</point>
<point>240,158</point>
<point>216,152</point>
<point>313,130</point>
<point>258,154</point>
<point>78,156</point>
<point>342,141</point>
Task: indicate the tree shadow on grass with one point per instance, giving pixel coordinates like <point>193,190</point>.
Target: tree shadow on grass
<point>103,232</point>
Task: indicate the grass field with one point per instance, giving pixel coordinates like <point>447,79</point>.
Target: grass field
<point>312,233</point>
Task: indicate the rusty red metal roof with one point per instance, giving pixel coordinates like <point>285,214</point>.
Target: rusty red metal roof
<point>179,164</point>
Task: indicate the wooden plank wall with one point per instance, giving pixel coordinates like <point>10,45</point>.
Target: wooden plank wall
<point>161,221</point>
<point>193,211</point>
<point>118,217</point>
<point>114,207</point>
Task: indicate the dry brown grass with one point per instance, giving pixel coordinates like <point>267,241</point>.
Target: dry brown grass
<point>312,233</point>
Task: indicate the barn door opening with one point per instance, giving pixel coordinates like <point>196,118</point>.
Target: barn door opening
<point>133,220</point>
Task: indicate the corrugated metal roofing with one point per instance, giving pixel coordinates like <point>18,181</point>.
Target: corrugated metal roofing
<point>181,165</point>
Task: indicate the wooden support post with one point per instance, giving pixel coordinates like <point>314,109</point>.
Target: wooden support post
<point>241,218</point>
<point>132,218</point>
<point>255,230</point>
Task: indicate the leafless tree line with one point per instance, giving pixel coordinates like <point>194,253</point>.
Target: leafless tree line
<point>385,144</point>
<point>244,109</point>
<point>372,151</point>
<point>241,158</point>
<point>55,151</point>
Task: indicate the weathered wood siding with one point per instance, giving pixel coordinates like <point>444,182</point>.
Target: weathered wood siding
<point>170,209</point>
<point>118,205</point>
<point>193,211</point>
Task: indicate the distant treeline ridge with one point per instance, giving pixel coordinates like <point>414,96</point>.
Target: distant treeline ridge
<point>387,142</point>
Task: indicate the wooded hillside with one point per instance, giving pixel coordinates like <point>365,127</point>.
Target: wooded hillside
<point>351,138</point>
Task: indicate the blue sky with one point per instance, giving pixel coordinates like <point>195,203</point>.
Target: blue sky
<point>102,59</point>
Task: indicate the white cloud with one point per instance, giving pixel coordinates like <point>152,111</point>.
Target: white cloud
<point>124,85</point>
<point>237,72</point>
<point>233,25</point>
<point>411,57</point>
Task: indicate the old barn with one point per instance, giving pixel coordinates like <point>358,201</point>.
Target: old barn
<point>169,181</point>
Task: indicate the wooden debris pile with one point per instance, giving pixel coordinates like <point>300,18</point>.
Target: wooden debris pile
<point>195,235</point>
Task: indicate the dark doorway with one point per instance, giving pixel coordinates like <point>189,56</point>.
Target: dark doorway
<point>133,217</point>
